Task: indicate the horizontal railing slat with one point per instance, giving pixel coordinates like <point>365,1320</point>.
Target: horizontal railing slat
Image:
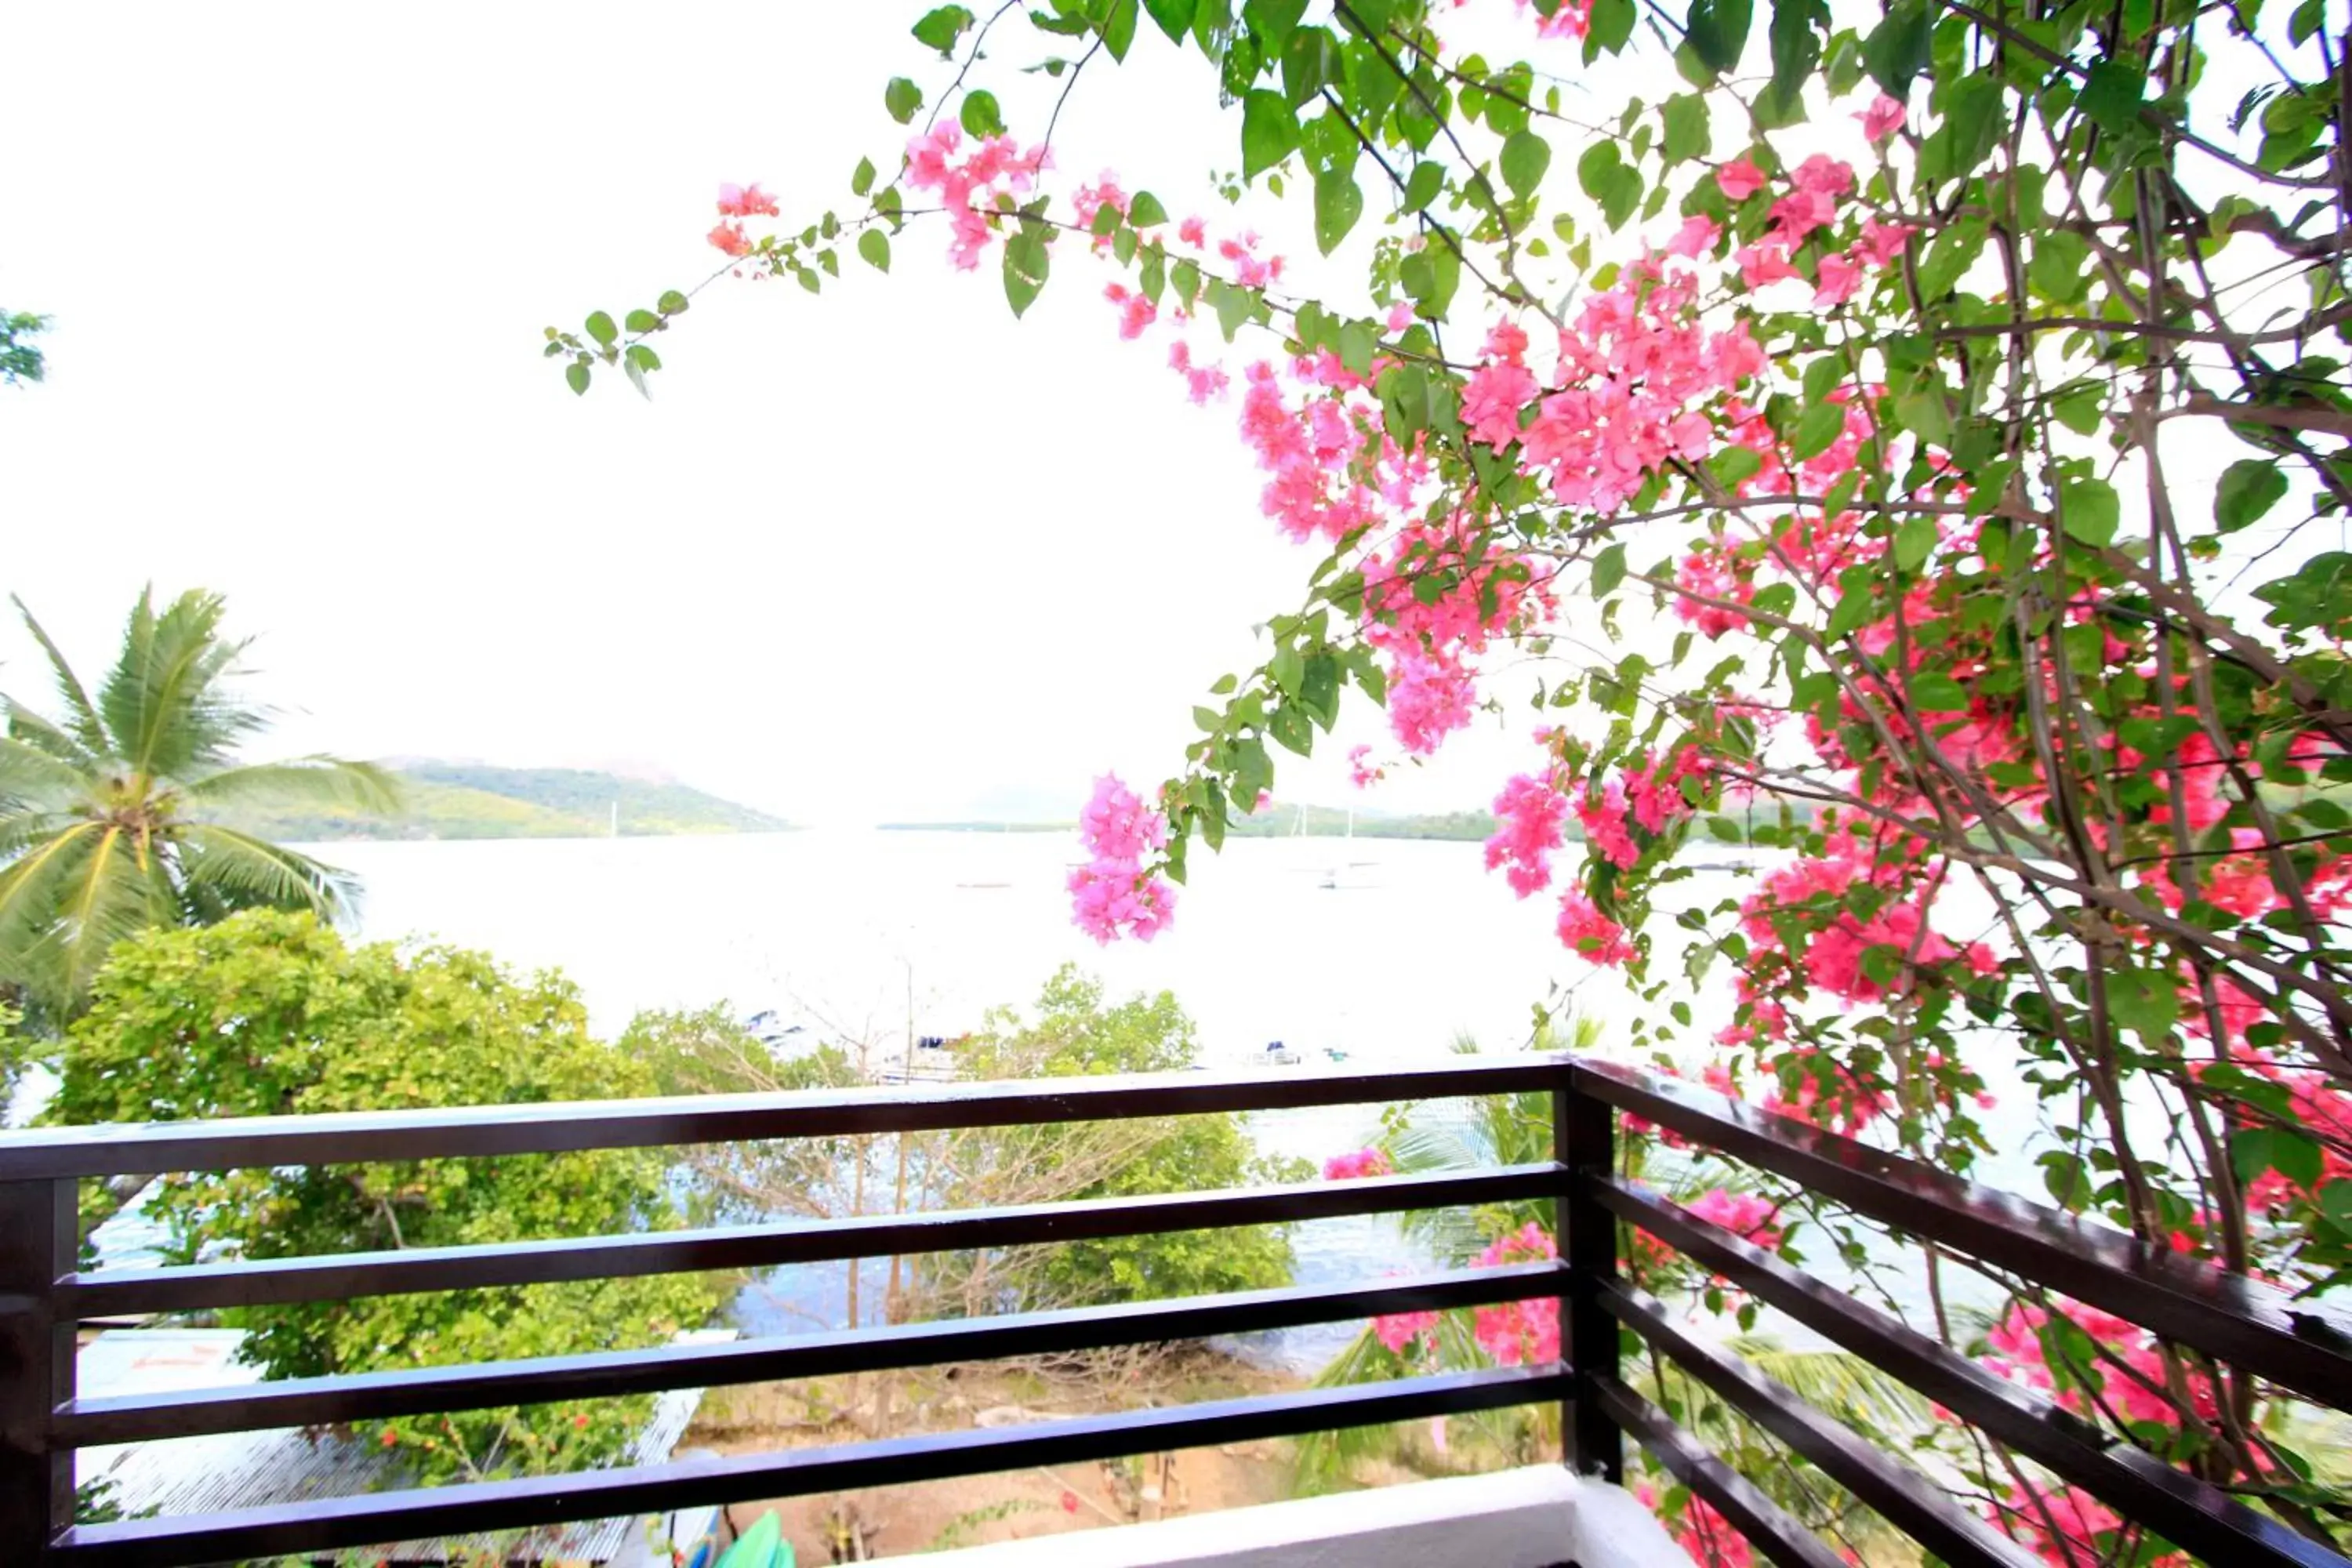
<point>2139,1485</point>
<point>2295,1345</point>
<point>361,1137</point>
<point>1757,1517</point>
<point>383,1395</point>
<point>337,1277</point>
<point>329,1524</point>
<point>1907,1499</point>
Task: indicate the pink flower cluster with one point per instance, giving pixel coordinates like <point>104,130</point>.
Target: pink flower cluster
<point>1529,816</point>
<point>1361,771</point>
<point>2130,1374</point>
<point>968,188</point>
<point>1703,1535</point>
<point>1433,639</point>
<point>1633,373</point>
<point>1751,1218</point>
<point>1112,895</point>
<point>736,203</point>
<point>1361,1163</point>
<point>1517,1332</point>
<point>1585,930</point>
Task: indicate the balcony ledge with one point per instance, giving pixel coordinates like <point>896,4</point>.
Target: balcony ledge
<point>1538,1517</point>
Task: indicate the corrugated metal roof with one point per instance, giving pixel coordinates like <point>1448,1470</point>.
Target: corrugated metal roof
<point>249,1470</point>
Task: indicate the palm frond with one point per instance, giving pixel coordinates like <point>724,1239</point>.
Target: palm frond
<point>316,781</point>
<point>240,871</point>
<point>162,700</point>
<point>64,903</point>
<point>82,722</point>
<point>33,775</point>
<point>1839,1383</point>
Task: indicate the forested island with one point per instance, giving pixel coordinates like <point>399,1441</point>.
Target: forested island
<point>473,800</point>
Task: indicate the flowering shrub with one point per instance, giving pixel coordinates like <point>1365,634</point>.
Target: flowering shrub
<point>1891,393</point>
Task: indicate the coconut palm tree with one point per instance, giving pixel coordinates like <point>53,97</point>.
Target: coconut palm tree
<point>104,810</point>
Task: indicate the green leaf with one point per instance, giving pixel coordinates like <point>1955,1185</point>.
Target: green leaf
<point>1356,340</point>
<point>1796,44</point>
<point>1174,17</point>
<point>1973,122</point>
<point>1273,20</point>
<point>902,98</point>
<point>1932,692</point>
<point>1608,570</point>
<point>940,28</point>
<point>2080,412</point>
<point>636,375</point>
<point>1816,430</point>
<point>601,327</point>
<point>2249,487</point>
<point>2111,96</point>
<point>979,115</point>
<point>1526,156</point>
<point>1145,210</point>
<point>1593,169</point>
<point>1027,263</point>
<point>1732,465</point>
<point>2060,269</point>
<point>1685,120</point>
<point>1897,49</point>
<point>1423,185</point>
<point>1117,28</point>
<point>861,179</point>
<point>1612,28</point>
<point>2289,1152</point>
<point>875,247</point>
<point>2088,511</point>
<point>1914,540</point>
<point>1338,204</point>
<point>1269,132</point>
<point>1718,31</point>
<point>672,303</point>
<point>2147,1003</point>
<point>1309,59</point>
<point>642,321</point>
<point>575,374</point>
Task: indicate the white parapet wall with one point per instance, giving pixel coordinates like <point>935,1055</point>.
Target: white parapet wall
<point>1539,1516</point>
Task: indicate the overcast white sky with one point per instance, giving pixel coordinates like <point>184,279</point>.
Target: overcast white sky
<point>881,555</point>
<point>888,554</point>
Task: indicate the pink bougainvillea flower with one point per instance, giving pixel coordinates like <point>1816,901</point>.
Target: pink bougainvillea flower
<point>1359,1164</point>
<point>729,237</point>
<point>745,200</point>
<point>1740,180</point>
<point>1696,237</point>
<point>1883,118</point>
<point>1840,277</point>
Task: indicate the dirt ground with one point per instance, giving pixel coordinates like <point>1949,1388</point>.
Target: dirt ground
<point>890,1522</point>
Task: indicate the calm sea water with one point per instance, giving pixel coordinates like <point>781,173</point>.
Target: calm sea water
<point>1388,951</point>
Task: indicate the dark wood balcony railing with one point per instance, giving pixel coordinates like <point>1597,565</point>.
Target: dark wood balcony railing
<point>44,1298</point>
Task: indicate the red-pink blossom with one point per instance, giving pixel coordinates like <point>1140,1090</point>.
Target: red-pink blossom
<point>745,200</point>
<point>1740,180</point>
<point>1359,1164</point>
<point>1883,118</point>
<point>1589,933</point>
<point>1530,817</point>
<point>729,237</point>
<point>1696,237</point>
<point>1840,277</point>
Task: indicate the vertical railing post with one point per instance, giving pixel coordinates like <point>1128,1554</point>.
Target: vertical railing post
<point>1584,1141</point>
<point>39,1235</point>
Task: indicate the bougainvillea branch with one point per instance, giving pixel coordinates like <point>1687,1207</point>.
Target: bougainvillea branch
<point>1907,448</point>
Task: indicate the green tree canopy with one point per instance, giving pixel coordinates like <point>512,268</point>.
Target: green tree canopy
<point>102,808</point>
<point>20,357</point>
<point>271,1012</point>
<point>1074,1032</point>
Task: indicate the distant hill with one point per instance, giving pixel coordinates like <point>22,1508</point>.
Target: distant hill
<point>472,800</point>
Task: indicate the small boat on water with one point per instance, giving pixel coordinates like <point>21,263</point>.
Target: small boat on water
<point>1276,1054</point>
